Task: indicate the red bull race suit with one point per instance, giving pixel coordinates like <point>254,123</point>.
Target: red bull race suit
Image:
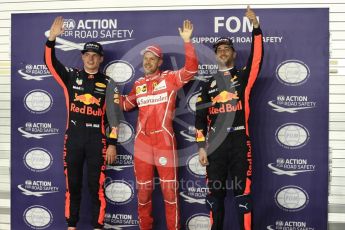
<point>85,138</point>
<point>155,144</point>
<point>222,128</point>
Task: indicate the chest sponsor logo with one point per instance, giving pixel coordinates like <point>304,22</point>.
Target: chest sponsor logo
<point>101,85</point>
<point>152,99</point>
<point>160,86</point>
<point>226,108</point>
<point>141,89</point>
<point>79,81</point>
<point>224,97</point>
<point>87,99</point>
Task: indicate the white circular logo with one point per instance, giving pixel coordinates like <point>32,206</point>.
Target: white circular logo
<point>126,133</point>
<point>38,159</point>
<point>38,217</point>
<point>198,222</point>
<point>192,102</point>
<point>163,161</point>
<point>119,192</point>
<point>69,24</point>
<point>292,72</point>
<point>28,67</point>
<point>291,198</point>
<point>292,135</point>
<point>120,71</point>
<point>38,101</point>
<point>194,166</point>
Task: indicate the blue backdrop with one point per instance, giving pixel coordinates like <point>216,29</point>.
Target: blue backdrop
<point>288,124</point>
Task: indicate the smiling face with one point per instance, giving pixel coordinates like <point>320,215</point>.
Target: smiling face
<point>151,63</point>
<point>225,56</point>
<point>91,61</point>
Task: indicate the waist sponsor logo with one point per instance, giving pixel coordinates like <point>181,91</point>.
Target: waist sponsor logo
<point>226,108</point>
<point>152,99</point>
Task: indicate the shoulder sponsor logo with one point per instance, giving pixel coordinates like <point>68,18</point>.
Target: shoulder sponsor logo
<point>37,130</point>
<point>119,221</point>
<point>34,72</point>
<point>122,162</point>
<point>38,159</point>
<point>194,167</point>
<point>119,192</point>
<point>38,217</point>
<point>37,188</point>
<point>38,101</point>
<point>292,72</point>
<point>292,135</point>
<point>291,167</point>
<point>291,104</point>
<point>191,101</point>
<point>199,221</point>
<point>120,71</point>
<point>291,198</point>
<point>152,99</point>
<point>100,85</point>
<point>195,195</point>
<point>285,225</point>
<point>126,133</point>
<point>160,86</point>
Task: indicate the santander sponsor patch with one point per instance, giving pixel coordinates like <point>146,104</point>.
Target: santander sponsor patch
<point>152,99</point>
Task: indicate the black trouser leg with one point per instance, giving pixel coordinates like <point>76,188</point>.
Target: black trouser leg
<point>95,153</point>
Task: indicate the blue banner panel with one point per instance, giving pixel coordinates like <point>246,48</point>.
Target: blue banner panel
<point>288,120</point>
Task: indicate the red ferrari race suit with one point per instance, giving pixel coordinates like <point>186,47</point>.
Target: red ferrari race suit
<point>155,144</point>
<point>85,138</point>
<point>222,122</point>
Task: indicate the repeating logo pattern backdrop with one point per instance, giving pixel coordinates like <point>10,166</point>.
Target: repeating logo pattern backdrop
<point>289,115</point>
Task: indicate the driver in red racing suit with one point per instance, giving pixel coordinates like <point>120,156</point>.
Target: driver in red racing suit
<point>155,144</point>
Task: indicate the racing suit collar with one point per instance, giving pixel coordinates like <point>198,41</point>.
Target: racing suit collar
<point>155,75</point>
